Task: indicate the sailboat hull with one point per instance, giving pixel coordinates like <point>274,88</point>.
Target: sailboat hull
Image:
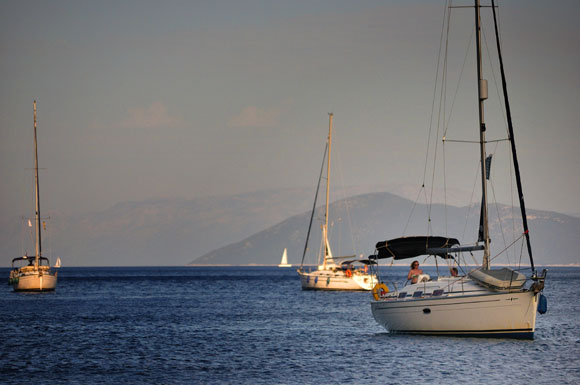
<point>35,282</point>
<point>488,315</point>
<point>327,280</point>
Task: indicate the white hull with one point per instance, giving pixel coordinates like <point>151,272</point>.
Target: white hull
<point>483,313</point>
<point>284,265</point>
<point>35,282</point>
<point>330,280</point>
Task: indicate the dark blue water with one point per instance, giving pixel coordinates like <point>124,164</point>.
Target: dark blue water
<point>187,325</point>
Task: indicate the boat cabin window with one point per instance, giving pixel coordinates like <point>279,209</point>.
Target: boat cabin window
<point>402,295</point>
<point>417,294</point>
<point>437,292</point>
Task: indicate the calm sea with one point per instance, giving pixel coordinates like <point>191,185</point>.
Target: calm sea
<point>254,325</point>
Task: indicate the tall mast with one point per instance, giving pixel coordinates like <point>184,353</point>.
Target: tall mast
<point>37,209</point>
<point>482,95</point>
<point>325,231</point>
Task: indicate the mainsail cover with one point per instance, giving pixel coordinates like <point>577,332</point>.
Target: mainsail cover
<point>409,247</point>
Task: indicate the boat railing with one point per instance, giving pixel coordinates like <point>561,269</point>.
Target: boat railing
<point>429,288</point>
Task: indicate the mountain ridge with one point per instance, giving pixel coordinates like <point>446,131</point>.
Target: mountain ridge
<point>177,231</point>
<point>550,231</point>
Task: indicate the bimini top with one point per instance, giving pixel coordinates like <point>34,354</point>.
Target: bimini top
<point>344,265</point>
<point>409,247</point>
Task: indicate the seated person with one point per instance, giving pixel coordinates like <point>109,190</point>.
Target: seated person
<point>415,272</point>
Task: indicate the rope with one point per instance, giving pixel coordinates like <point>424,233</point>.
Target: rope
<point>434,92</point>
<point>412,209</point>
<point>345,198</point>
<point>512,141</point>
<point>459,81</point>
<point>313,207</point>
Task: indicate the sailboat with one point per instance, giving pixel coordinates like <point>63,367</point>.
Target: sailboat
<point>284,261</point>
<point>33,272</point>
<point>484,302</point>
<point>352,272</point>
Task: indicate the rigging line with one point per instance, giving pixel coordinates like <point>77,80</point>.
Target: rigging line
<point>463,66</point>
<point>426,207</point>
<point>471,205</point>
<point>507,247</point>
<point>444,99</point>
<point>444,191</point>
<point>495,199</point>
<point>346,198</point>
<point>498,216</point>
<point>475,263</point>
<point>494,257</point>
<point>442,93</point>
<point>445,17</point>
<point>475,142</point>
<point>322,250</point>
<point>314,205</point>
<point>513,216</point>
<point>506,129</point>
<point>521,252</point>
<point>494,79</point>
<point>412,209</point>
<point>513,143</point>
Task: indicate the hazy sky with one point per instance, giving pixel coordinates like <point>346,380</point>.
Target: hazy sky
<point>146,99</point>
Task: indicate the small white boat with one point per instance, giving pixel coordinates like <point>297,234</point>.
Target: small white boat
<point>33,273</point>
<point>485,301</point>
<point>331,275</point>
<point>284,261</point>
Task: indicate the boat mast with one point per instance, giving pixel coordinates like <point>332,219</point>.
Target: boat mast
<point>37,208</point>
<point>325,229</point>
<point>482,95</point>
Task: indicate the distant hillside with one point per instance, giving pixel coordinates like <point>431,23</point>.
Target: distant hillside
<point>380,216</point>
<point>160,231</point>
<point>178,231</point>
<point>157,232</point>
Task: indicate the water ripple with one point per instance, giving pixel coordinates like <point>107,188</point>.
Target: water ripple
<point>255,326</point>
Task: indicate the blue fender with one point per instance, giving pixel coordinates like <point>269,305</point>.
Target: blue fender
<point>542,304</point>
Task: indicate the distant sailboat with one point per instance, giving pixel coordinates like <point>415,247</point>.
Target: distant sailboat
<point>330,275</point>
<point>33,272</point>
<point>284,261</point>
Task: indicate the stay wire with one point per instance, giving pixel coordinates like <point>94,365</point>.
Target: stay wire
<point>445,11</point>
<point>314,206</point>
<point>345,197</point>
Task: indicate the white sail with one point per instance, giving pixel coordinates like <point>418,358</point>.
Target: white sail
<point>284,260</point>
<point>57,264</point>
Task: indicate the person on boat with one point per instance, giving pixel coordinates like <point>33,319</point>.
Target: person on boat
<point>454,272</point>
<point>415,272</point>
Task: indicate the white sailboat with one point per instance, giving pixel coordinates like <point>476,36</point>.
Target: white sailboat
<point>33,273</point>
<point>284,261</point>
<point>331,275</point>
<point>485,301</point>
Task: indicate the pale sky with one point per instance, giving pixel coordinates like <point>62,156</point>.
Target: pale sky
<point>150,99</point>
